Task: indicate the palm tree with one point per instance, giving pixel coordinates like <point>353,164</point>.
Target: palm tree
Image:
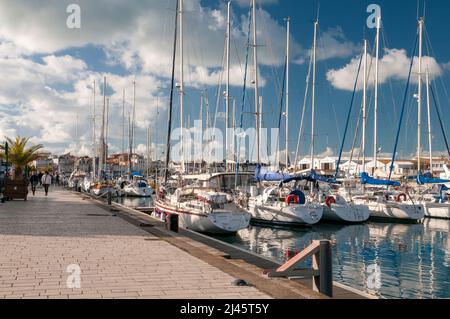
<point>19,155</point>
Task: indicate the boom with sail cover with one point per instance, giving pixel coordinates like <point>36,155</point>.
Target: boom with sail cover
<point>311,177</point>
<point>319,178</point>
<point>426,179</point>
<point>262,175</point>
<point>367,180</point>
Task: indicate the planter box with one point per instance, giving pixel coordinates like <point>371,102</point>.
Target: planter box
<point>17,189</point>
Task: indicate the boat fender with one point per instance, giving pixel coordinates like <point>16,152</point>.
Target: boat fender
<point>301,196</point>
<point>401,198</point>
<point>292,199</point>
<point>330,200</point>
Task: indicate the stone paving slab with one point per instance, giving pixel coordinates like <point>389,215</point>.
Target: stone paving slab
<point>40,238</point>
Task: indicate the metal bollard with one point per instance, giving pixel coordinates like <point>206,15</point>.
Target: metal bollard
<point>172,223</point>
<point>323,261</point>
<point>109,198</point>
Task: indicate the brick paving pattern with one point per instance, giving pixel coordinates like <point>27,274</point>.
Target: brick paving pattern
<point>40,238</point>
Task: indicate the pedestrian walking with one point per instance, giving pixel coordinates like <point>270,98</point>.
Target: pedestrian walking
<point>46,181</point>
<point>57,179</point>
<point>40,178</point>
<point>34,181</point>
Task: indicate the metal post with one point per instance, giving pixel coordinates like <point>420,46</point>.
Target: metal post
<point>326,269</point>
<point>109,198</point>
<point>322,261</point>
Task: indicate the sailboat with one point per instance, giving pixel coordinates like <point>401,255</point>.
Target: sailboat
<point>381,197</point>
<point>103,187</point>
<point>435,203</point>
<point>205,205</point>
<point>138,187</point>
<point>335,207</point>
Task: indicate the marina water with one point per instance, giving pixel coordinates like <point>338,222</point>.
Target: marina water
<point>414,259</point>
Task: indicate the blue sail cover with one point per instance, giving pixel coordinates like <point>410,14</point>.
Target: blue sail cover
<point>263,175</point>
<point>298,178</point>
<point>426,179</point>
<point>367,180</point>
<point>312,177</point>
<point>316,177</point>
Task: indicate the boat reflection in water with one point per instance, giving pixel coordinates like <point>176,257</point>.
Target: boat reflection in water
<point>413,259</point>
<point>135,202</point>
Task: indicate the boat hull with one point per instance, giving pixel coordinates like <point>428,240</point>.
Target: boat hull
<point>140,192</point>
<point>346,213</point>
<point>101,192</point>
<point>220,222</point>
<point>395,211</point>
<point>436,210</point>
<point>295,215</point>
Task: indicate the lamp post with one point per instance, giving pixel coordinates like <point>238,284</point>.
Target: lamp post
<point>6,159</point>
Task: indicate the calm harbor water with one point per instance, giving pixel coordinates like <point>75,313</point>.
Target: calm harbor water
<point>134,202</point>
<point>414,260</point>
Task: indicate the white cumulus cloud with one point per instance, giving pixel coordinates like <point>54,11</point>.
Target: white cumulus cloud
<point>394,65</point>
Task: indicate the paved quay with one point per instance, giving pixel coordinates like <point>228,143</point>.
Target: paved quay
<point>42,237</point>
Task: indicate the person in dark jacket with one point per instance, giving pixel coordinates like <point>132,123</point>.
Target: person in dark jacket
<point>34,181</point>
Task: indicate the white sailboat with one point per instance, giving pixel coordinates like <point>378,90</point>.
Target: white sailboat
<point>207,205</point>
<point>335,207</point>
<point>138,187</point>
<point>205,208</point>
<point>382,204</point>
<point>269,204</point>
<point>435,203</point>
<point>281,207</point>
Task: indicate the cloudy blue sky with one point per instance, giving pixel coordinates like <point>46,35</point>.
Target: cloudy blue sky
<point>48,69</point>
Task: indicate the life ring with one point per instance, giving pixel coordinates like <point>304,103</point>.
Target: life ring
<point>292,199</point>
<point>330,200</point>
<point>401,198</point>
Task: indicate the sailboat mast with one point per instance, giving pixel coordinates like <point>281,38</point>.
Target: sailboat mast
<point>255,70</point>
<point>183,168</point>
<point>288,38</point>
<point>123,127</point>
<point>227,94</point>
<point>148,150</point>
<point>430,138</point>
<point>106,133</point>
<point>364,110</point>
<point>102,134</point>
<point>419,99</point>
<point>134,117</point>
<point>375,133</point>
<point>313,98</point>
<point>234,135</point>
<point>169,126</point>
<point>93,140</point>
<point>130,142</point>
<point>201,130</point>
